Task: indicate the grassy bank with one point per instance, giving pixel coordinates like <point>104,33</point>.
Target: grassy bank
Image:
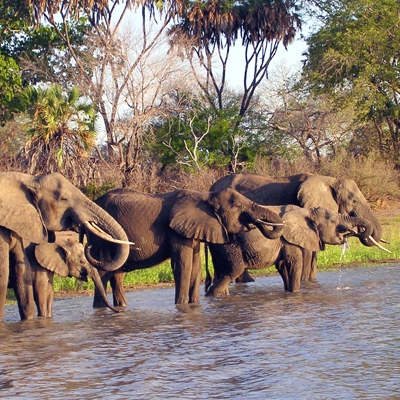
<point>332,257</point>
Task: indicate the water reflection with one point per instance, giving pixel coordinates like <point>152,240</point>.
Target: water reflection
<point>337,339</point>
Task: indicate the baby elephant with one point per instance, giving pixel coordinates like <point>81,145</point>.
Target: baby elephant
<point>64,258</point>
<point>304,229</point>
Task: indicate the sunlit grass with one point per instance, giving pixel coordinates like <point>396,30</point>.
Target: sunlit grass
<point>331,257</point>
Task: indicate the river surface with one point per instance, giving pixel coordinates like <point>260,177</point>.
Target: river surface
<point>337,339</point>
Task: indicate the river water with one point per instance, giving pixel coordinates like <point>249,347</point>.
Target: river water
<point>337,339</point>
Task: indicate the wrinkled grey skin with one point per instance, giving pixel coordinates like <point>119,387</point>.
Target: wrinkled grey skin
<point>64,258</point>
<point>304,190</point>
<point>304,229</point>
<point>31,209</point>
<point>172,225</point>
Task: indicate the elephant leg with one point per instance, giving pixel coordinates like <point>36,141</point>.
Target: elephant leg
<point>293,257</point>
<point>228,265</point>
<point>283,272</point>
<point>314,263</point>
<point>4,270</point>
<point>307,261</point>
<point>97,299</point>
<point>22,279</point>
<point>42,283</point>
<point>195,278</point>
<point>245,277</point>
<point>43,292</point>
<point>182,264</point>
<point>117,286</point>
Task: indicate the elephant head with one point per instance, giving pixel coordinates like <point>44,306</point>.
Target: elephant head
<point>343,196</point>
<point>213,216</point>
<point>313,228</point>
<point>34,206</point>
<point>66,258</point>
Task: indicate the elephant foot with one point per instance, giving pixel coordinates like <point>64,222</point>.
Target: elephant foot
<point>214,292</point>
<point>245,277</point>
<point>120,303</point>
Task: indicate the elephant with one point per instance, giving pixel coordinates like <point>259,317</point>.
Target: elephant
<point>32,208</point>
<point>64,258</point>
<point>304,229</point>
<point>172,226</point>
<point>308,191</point>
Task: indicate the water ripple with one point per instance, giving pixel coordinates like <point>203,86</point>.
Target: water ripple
<point>337,339</point>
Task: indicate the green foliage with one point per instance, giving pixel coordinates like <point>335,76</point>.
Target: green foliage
<point>94,191</point>
<point>228,138</point>
<point>211,135</point>
<point>10,85</point>
<point>30,54</point>
<point>355,57</point>
<point>61,126</point>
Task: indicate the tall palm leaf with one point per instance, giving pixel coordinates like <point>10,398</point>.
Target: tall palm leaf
<point>60,128</point>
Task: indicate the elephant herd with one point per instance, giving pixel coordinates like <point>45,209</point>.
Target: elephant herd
<point>248,221</point>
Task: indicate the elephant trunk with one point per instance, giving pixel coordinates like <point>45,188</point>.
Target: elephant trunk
<point>269,223</point>
<point>366,233</point>
<point>114,229</point>
<point>93,273</point>
<point>376,233</point>
<point>364,226</point>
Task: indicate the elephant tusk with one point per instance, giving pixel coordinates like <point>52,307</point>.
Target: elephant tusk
<point>261,222</point>
<point>351,232</point>
<point>95,229</point>
<point>378,245</point>
<point>384,241</point>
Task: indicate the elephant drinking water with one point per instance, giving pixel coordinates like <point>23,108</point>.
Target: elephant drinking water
<point>308,191</point>
<point>303,229</point>
<point>31,208</point>
<point>172,225</point>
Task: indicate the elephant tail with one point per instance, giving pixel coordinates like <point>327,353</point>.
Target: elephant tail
<point>208,281</point>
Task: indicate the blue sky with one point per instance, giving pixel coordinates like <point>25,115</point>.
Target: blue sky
<point>291,56</point>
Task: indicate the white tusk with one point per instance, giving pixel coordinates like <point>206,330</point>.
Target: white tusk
<point>104,235</point>
<point>385,241</point>
<point>378,245</point>
<point>260,221</point>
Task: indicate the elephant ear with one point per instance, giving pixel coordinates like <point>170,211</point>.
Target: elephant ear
<point>318,190</point>
<point>18,210</point>
<point>52,257</point>
<point>193,217</point>
<point>300,230</point>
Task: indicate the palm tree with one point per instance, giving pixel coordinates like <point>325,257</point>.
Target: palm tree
<point>60,129</point>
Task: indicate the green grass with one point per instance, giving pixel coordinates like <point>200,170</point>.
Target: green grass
<point>330,258</point>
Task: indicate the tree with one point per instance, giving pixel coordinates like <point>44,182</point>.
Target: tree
<point>355,58</point>
<point>199,136</point>
<point>60,130</point>
<point>13,18</point>
<point>208,30</point>
<point>313,122</point>
<point>10,85</point>
<point>29,54</point>
<point>204,32</point>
